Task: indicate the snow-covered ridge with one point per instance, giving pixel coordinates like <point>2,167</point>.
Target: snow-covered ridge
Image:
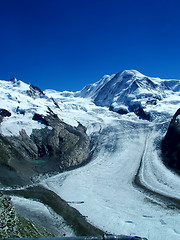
<point>124,92</point>
<point>131,91</point>
<point>22,101</point>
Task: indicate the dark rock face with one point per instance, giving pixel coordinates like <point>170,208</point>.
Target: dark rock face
<point>139,111</point>
<point>20,111</point>
<point>15,82</point>
<point>171,144</point>
<point>35,92</point>
<point>4,113</point>
<point>40,118</point>
<point>142,114</point>
<point>120,110</point>
<point>14,168</point>
<point>54,148</point>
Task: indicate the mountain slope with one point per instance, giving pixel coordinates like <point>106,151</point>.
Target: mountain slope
<point>33,139</point>
<point>130,91</point>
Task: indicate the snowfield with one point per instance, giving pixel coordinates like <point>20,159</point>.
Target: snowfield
<point>125,188</point>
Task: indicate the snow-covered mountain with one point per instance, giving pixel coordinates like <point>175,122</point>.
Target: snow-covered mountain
<point>125,188</point>
<point>131,91</point>
<point>22,101</point>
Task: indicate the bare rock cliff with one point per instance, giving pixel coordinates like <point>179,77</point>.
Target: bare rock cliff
<point>54,148</point>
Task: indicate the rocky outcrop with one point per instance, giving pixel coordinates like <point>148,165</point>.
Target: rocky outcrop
<point>4,113</point>
<point>35,92</point>
<point>8,219</point>
<point>54,148</point>
<point>171,144</point>
<point>140,112</point>
<point>12,226</point>
<point>15,169</point>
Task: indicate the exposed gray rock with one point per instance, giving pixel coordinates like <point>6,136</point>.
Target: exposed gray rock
<point>142,114</point>
<point>54,148</point>
<point>20,111</point>
<point>15,81</point>
<point>171,144</point>
<point>12,226</point>
<point>4,113</point>
<point>15,169</point>
<point>55,103</point>
<point>8,218</point>
<point>35,92</point>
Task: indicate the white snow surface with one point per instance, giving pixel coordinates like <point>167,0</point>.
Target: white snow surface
<point>126,148</point>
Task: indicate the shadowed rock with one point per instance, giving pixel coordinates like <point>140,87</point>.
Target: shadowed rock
<point>54,148</point>
<point>171,144</point>
<point>4,113</point>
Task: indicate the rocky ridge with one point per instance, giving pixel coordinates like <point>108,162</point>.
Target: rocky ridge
<point>171,144</point>
<point>33,139</point>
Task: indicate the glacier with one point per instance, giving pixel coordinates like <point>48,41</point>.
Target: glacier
<point>125,188</point>
<point>112,199</point>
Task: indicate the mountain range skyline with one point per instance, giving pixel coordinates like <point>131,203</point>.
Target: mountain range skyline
<point>65,45</point>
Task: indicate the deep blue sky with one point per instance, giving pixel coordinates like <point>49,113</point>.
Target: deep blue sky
<point>66,44</point>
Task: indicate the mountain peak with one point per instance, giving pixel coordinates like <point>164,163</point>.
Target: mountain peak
<point>132,72</point>
<point>129,91</point>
